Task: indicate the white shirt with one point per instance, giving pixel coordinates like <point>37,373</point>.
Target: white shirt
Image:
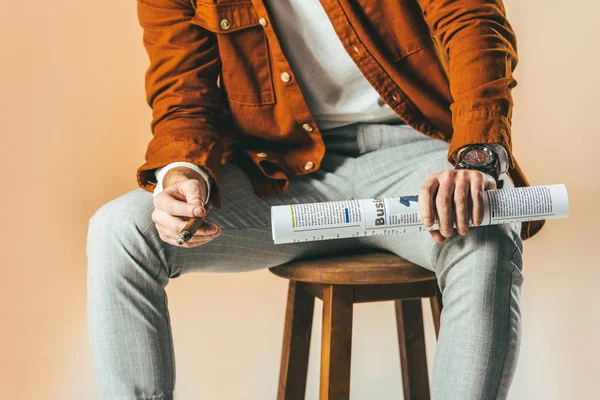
<point>335,90</point>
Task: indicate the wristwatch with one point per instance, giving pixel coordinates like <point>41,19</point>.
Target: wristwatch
<point>481,158</point>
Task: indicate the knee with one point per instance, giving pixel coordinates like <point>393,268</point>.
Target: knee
<point>497,246</point>
<point>117,231</point>
<point>487,257</point>
<point>127,214</point>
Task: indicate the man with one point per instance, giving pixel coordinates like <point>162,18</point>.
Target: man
<point>267,102</point>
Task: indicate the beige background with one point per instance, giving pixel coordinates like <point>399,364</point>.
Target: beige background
<point>74,126</point>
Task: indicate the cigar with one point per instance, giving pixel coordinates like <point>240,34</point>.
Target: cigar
<point>192,226</point>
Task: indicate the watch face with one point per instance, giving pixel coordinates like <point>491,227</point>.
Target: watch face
<point>476,157</point>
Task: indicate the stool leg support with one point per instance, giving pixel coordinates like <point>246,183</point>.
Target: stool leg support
<point>413,359</point>
<point>436,309</point>
<point>296,343</point>
<point>336,344</point>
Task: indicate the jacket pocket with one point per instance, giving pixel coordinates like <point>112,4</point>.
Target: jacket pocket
<point>245,63</point>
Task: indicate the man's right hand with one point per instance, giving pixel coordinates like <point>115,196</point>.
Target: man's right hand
<point>181,199</point>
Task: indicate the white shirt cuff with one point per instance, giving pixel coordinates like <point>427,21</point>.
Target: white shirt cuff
<point>162,171</point>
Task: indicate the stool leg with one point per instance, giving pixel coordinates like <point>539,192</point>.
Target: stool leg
<point>413,360</point>
<point>436,309</point>
<point>336,342</point>
<point>296,343</point>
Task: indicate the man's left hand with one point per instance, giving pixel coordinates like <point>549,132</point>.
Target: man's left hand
<point>455,195</point>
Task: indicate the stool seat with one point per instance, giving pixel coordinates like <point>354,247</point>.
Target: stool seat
<point>358,269</point>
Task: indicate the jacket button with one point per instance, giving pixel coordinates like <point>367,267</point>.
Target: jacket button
<point>261,154</point>
<point>309,165</point>
<point>308,127</point>
<point>286,77</point>
<point>225,24</point>
<point>262,21</point>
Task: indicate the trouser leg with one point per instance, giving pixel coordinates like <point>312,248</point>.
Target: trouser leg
<point>480,275</point>
<point>129,266</point>
<point>128,318</point>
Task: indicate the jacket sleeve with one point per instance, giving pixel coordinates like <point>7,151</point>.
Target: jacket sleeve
<point>181,89</point>
<point>481,51</point>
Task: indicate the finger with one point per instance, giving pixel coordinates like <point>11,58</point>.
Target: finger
<point>426,195</point>
<point>217,232</point>
<point>189,244</point>
<point>443,202</point>
<point>167,221</point>
<point>437,236</point>
<point>174,225</point>
<point>193,190</point>
<point>171,238</point>
<point>207,229</point>
<point>198,236</point>
<point>477,199</point>
<point>488,182</point>
<point>202,239</point>
<point>168,202</point>
<point>461,206</point>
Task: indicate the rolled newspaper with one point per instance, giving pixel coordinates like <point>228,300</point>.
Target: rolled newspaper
<point>385,216</point>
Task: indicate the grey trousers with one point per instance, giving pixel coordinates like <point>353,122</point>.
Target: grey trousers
<point>480,275</point>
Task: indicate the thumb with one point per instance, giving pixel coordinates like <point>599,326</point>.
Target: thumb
<point>194,195</point>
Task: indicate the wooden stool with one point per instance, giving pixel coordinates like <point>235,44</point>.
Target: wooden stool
<point>340,282</point>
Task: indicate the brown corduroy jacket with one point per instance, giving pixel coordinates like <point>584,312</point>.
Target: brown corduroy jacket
<point>222,90</point>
